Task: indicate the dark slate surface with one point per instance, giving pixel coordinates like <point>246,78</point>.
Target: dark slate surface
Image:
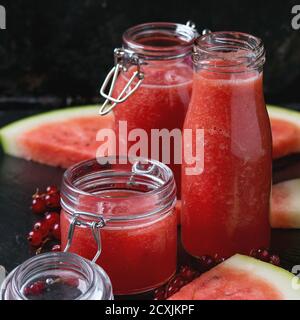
<point>58,51</point>
<point>19,180</point>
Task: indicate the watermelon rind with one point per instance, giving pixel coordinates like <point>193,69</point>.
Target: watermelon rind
<point>276,112</point>
<point>289,205</point>
<point>10,132</point>
<point>283,281</point>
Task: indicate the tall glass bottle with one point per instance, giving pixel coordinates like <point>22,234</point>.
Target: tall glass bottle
<point>226,208</point>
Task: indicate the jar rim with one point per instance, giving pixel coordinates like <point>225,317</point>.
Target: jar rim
<point>184,34</point>
<point>165,192</point>
<point>236,48</point>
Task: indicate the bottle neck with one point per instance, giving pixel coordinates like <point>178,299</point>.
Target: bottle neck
<point>228,53</point>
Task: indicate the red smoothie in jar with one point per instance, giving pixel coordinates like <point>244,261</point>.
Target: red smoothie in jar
<point>139,239</point>
<point>225,209</point>
<point>162,99</point>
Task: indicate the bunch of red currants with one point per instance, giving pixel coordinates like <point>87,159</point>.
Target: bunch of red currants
<point>48,228</point>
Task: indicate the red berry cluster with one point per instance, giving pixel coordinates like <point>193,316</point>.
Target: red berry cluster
<point>48,228</point>
<point>265,255</point>
<point>42,202</point>
<point>39,287</point>
<point>207,262</point>
<point>35,288</point>
<point>185,275</point>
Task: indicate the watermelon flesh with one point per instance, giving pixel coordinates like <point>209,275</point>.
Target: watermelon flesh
<point>241,278</point>
<point>285,138</point>
<point>285,205</point>
<point>285,126</point>
<point>64,137</point>
<point>75,141</point>
<point>58,138</point>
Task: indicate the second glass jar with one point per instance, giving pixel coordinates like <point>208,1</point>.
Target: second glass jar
<point>136,202</point>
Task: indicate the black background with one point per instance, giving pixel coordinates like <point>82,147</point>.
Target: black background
<point>57,52</point>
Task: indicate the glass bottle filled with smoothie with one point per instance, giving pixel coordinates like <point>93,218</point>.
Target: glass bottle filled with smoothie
<point>226,207</point>
<point>158,57</point>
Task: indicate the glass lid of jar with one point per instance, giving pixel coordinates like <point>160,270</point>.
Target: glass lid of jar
<point>57,276</point>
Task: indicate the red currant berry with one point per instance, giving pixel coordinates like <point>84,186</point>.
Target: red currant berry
<point>253,253</point>
<point>52,200</point>
<point>218,259</point>
<point>160,294</point>
<point>187,273</point>
<point>26,291</point>
<point>55,231</point>
<point>174,286</point>
<point>274,259</point>
<point>263,254</point>
<point>51,219</point>
<point>35,289</point>
<point>35,238</point>
<point>56,248</point>
<point>42,227</point>
<point>51,189</point>
<point>205,263</point>
<point>38,205</point>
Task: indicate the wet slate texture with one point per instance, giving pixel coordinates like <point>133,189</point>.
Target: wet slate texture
<point>59,51</point>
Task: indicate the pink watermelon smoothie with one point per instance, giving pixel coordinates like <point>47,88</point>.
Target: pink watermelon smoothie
<point>160,103</point>
<point>64,143</point>
<point>137,256</point>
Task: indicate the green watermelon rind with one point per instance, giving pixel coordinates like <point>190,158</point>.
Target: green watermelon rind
<point>289,205</point>
<point>10,133</point>
<point>279,278</point>
<point>290,116</point>
<point>276,112</point>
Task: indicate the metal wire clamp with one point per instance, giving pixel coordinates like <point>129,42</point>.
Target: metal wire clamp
<point>95,225</point>
<point>123,59</point>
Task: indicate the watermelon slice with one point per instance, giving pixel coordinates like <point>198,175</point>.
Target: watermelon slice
<point>285,205</point>
<point>285,125</point>
<point>242,278</point>
<point>59,138</point>
<point>66,136</point>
